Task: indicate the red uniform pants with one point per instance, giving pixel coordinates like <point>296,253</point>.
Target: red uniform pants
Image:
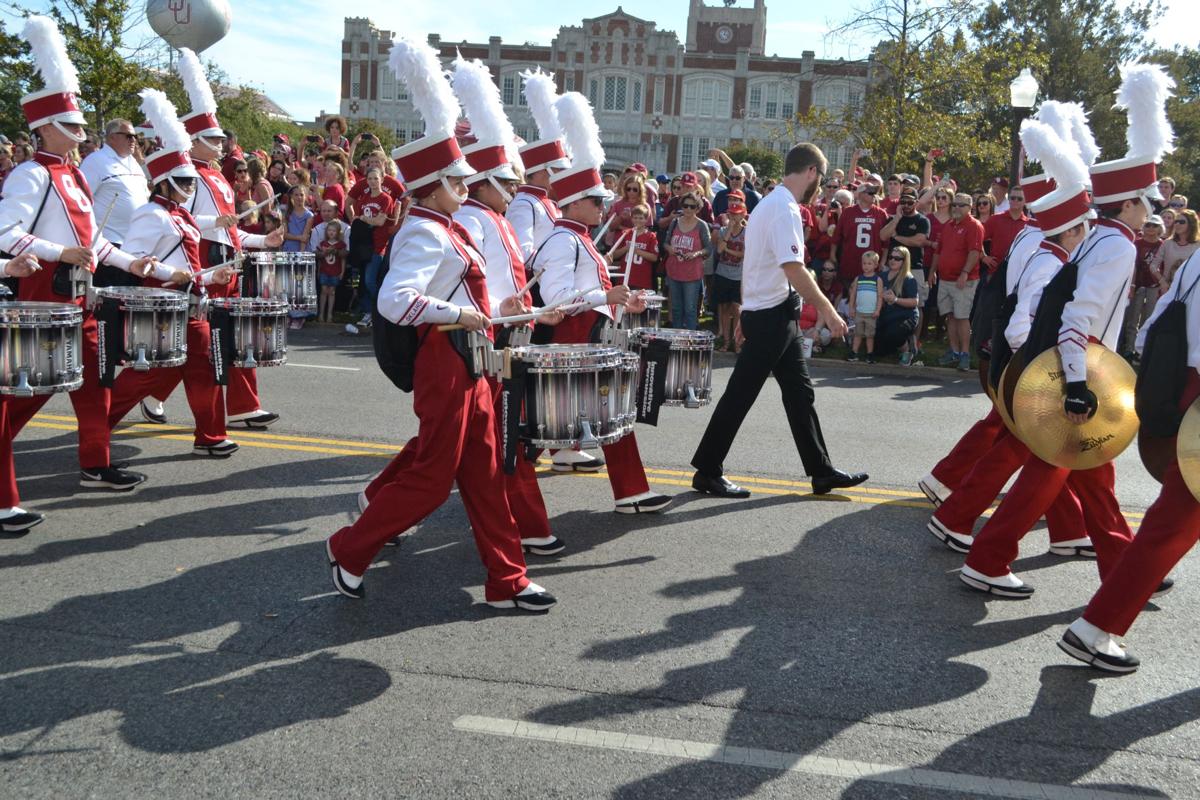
<point>952,469</point>
<point>90,402</point>
<point>456,441</point>
<point>626,474</point>
<point>521,488</point>
<point>241,395</point>
<point>1037,487</point>
<point>203,394</point>
<point>982,485</point>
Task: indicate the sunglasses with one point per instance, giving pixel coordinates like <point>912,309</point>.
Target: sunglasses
<point>907,201</point>
<point>629,189</point>
<point>895,258</point>
<point>737,177</point>
<point>1181,221</point>
<point>963,205</point>
<point>240,170</point>
<point>689,206</point>
<point>1175,205</point>
<point>830,270</point>
<point>983,204</point>
<point>129,136</point>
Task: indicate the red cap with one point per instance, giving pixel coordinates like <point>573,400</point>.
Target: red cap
<point>47,106</point>
<point>1036,187</point>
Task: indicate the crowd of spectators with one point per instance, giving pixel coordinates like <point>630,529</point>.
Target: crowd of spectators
<point>901,258</point>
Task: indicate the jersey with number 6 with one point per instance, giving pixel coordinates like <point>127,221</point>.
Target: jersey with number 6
<point>857,232</point>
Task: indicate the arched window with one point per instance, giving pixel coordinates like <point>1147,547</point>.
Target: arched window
<point>615,93</point>
<point>771,99</point>
<point>512,89</point>
<point>707,97</point>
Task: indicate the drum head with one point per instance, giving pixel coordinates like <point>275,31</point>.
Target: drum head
<point>568,357</point>
<point>35,312</point>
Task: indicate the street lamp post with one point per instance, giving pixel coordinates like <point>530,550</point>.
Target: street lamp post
<point>1022,93</point>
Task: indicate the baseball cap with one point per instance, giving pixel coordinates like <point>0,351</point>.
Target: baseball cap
<point>908,194</point>
<point>639,167</point>
<point>911,180</point>
<point>1154,219</point>
<point>711,163</point>
<point>663,178</point>
<point>737,207</point>
<point>1000,180</point>
<point>689,179</point>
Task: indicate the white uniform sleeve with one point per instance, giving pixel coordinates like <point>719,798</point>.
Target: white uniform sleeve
<point>785,240</point>
<point>520,216</point>
<point>255,241</point>
<point>147,231</point>
<point>1099,281</point>
<point>24,190</point>
<point>474,227</point>
<point>106,253</point>
<point>203,221</point>
<point>557,257</point>
<point>1038,270</point>
<point>415,260</point>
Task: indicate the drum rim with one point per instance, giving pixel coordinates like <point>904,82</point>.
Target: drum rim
<point>58,311</point>
<point>274,307</point>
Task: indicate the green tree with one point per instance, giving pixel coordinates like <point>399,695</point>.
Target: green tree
<point>767,163</point>
<point>385,136</point>
<point>1184,112</point>
<point>15,76</point>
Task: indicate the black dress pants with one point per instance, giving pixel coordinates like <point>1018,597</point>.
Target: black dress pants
<point>772,347</point>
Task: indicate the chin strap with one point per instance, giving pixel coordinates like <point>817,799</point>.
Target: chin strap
<point>207,142</point>
<point>76,138</point>
<point>503,192</point>
<point>176,187</point>
<point>462,198</point>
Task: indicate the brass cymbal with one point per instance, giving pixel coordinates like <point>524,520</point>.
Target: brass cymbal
<point>1156,453</point>
<point>1037,410</point>
<point>1187,448</point>
<point>1004,392</point>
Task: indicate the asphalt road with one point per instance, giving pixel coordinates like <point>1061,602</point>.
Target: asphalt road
<point>184,641</point>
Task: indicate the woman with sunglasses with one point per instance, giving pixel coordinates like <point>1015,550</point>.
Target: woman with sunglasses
<point>632,194</point>
<point>897,323</point>
<point>688,244</point>
<point>1184,240</point>
<point>983,208</point>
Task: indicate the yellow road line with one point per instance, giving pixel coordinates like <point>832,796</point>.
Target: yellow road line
<point>659,477</point>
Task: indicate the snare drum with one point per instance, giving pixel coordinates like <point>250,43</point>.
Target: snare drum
<point>154,322</point>
<point>291,277</point>
<point>259,330</point>
<point>649,318</point>
<point>41,348</point>
<point>576,395</point>
<point>689,364</point>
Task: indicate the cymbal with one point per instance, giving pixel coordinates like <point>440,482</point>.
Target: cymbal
<point>1037,410</point>
<point>1187,448</point>
<point>1156,453</point>
<point>1004,392</point>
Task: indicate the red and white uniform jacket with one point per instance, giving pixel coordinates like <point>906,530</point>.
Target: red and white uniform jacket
<point>1038,269</point>
<point>165,230</point>
<point>66,220</point>
<point>1185,278</point>
<point>1024,246</point>
<point>426,277</point>
<point>572,263</point>
<point>214,198</point>
<point>1098,309</point>
<point>532,214</point>
<point>496,241</point>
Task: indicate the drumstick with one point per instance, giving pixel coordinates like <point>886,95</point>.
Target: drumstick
<point>604,228</point>
<point>104,221</point>
<point>244,214</point>
<point>625,277</point>
<point>537,276</point>
<point>532,315</point>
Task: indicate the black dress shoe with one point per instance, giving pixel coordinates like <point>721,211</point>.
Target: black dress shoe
<point>719,486</point>
<point>837,480</point>
<point>1076,648</point>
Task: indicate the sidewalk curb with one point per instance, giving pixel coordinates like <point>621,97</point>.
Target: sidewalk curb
<point>915,374</point>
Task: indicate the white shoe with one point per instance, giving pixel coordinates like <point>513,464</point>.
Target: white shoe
<point>543,545</point>
<point>1082,548</point>
<point>576,461</point>
<point>153,411</point>
<point>351,329</point>
<point>365,321</point>
<point>1087,643</point>
<point>1006,585</point>
<point>935,490</point>
<point>958,542</point>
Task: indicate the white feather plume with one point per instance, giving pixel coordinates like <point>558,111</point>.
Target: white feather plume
<point>1081,132</point>
<point>480,98</point>
<point>541,94</point>
<point>1145,89</point>
<point>1056,114</point>
<point>417,64</point>
<point>580,130</point>
<point>195,83</point>
<point>1059,159</point>
<point>50,54</point>
<point>164,119</point>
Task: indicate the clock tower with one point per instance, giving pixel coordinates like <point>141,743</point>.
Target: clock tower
<point>728,28</point>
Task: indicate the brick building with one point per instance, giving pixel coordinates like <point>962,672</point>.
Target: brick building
<point>657,101</point>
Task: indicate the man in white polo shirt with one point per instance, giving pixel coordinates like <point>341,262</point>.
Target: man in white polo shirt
<point>774,279</point>
<point>118,183</point>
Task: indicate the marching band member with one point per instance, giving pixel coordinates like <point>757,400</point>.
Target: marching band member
<point>533,211</point>
<point>571,264</point>
<point>47,209</point>
<point>212,206</point>
<point>435,276</point>
<point>1122,191</point>
<point>1070,122</point>
<point>163,228</point>
<point>1168,531</point>
<point>1060,217</point>
<point>491,190</point>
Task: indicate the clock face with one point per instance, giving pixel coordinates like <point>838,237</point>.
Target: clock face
<point>724,34</point>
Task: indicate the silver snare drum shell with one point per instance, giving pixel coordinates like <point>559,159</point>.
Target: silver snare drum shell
<point>291,277</point>
<point>573,395</point>
<point>259,330</point>
<point>689,364</point>
<point>650,318</point>
<point>154,323</point>
<point>41,348</point>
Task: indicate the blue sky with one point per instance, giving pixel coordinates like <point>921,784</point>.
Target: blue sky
<point>292,49</point>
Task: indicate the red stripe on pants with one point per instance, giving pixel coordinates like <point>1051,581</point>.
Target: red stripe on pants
<point>984,482</point>
<point>997,545</point>
<point>90,402</point>
<point>203,393</point>
<point>456,441</point>
<point>626,474</point>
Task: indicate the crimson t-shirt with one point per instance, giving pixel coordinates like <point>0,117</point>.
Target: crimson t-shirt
<point>958,239</point>
<point>857,233</point>
<point>1002,230</point>
<point>381,206</point>
<point>641,272</point>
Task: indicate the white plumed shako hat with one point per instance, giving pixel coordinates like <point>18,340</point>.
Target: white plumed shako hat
<point>172,159</point>
<point>493,151</point>
<point>548,152</point>
<point>582,135</point>
<point>201,122</point>
<point>1069,203</point>
<point>58,102</point>
<point>426,161</point>
<point>1145,89</point>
